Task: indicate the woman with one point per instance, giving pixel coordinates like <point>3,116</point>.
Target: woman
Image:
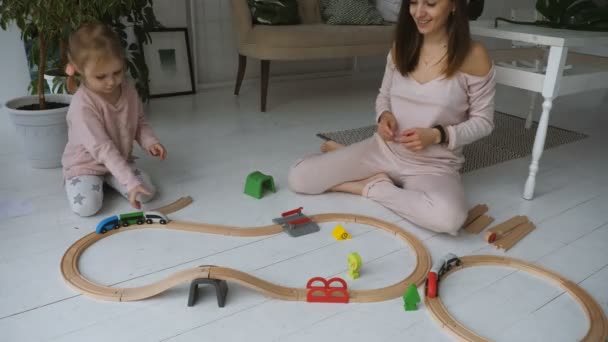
<point>437,95</point>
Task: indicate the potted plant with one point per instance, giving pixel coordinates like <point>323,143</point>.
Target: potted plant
<point>121,16</point>
<point>40,119</point>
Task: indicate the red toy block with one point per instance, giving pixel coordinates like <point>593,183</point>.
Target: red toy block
<point>327,293</point>
<point>431,285</point>
<point>291,212</point>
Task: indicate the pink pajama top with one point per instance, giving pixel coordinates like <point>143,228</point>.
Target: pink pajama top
<point>101,135</point>
<point>462,104</point>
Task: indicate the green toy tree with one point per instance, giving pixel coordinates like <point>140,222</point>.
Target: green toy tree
<point>411,298</point>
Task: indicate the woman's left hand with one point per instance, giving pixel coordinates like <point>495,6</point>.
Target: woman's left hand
<point>158,150</point>
<point>417,139</point>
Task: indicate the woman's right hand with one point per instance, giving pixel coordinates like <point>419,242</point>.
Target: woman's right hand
<point>133,196</point>
<point>387,126</point>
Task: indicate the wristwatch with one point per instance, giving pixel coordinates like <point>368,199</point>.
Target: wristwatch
<point>444,136</point>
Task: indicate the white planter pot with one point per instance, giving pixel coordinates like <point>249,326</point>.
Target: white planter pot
<point>44,132</point>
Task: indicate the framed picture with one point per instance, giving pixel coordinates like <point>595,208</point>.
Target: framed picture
<point>169,62</point>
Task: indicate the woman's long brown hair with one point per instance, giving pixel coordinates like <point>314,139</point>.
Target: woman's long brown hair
<point>408,41</point>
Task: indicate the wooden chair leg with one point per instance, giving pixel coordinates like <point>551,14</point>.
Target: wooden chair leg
<point>240,74</point>
<point>264,86</point>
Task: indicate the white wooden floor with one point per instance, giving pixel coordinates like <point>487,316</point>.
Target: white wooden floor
<point>214,140</point>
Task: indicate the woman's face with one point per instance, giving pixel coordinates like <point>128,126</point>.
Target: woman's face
<point>431,16</point>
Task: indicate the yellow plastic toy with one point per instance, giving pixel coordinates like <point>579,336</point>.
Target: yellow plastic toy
<point>340,233</point>
<point>354,264</point>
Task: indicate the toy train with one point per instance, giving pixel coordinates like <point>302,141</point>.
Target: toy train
<point>439,268</point>
<point>125,220</point>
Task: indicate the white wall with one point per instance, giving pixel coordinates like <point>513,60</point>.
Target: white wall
<point>14,76</point>
<point>171,13</point>
<point>217,57</point>
<point>214,50</point>
<point>13,66</point>
<point>216,54</point>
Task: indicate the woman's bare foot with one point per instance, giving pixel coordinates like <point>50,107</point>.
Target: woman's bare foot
<point>357,187</point>
<point>330,145</point>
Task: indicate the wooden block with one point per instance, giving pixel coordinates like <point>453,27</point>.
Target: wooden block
<point>479,224</point>
<point>509,224</point>
<point>509,236</point>
<point>475,213</point>
<point>498,231</point>
<point>515,236</point>
<point>529,227</point>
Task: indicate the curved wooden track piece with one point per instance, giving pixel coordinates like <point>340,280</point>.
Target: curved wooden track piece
<point>72,275</point>
<point>181,203</point>
<point>598,325</point>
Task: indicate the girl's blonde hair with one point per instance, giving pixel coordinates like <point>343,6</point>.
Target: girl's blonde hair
<point>94,42</point>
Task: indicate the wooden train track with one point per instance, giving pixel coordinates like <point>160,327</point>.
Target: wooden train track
<point>72,275</point>
<point>598,325</point>
<point>175,206</point>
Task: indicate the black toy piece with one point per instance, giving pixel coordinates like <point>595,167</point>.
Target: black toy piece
<point>221,290</point>
<point>475,9</point>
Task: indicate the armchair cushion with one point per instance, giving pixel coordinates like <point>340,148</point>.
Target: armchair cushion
<point>274,12</point>
<point>389,9</point>
<point>350,12</point>
<point>310,13</point>
<point>319,35</point>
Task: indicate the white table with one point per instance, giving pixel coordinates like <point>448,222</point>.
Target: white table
<point>587,72</point>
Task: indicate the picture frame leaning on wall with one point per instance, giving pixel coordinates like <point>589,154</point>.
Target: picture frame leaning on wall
<point>169,61</point>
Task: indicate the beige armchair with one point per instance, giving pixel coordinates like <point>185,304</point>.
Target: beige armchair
<point>310,40</point>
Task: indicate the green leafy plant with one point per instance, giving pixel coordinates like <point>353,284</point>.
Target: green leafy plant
<point>584,15</point>
<point>47,24</point>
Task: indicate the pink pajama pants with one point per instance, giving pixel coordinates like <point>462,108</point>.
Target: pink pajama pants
<point>432,200</point>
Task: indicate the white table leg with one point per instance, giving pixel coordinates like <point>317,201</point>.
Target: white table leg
<point>533,96</point>
<point>530,116</point>
<point>555,69</point>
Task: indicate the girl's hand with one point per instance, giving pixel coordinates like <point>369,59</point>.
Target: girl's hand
<point>134,193</point>
<point>387,125</point>
<point>417,139</point>
<point>158,150</point>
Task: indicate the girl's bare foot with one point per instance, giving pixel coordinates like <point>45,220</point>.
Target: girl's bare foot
<point>356,187</point>
<point>330,145</point>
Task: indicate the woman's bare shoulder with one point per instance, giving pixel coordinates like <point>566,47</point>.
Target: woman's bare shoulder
<point>478,62</point>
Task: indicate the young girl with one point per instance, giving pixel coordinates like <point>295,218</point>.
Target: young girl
<point>437,95</point>
<point>104,118</point>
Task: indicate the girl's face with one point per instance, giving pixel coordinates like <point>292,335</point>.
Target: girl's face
<point>104,76</point>
<point>431,16</point>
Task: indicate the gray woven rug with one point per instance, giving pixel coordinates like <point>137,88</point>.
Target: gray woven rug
<point>509,140</point>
